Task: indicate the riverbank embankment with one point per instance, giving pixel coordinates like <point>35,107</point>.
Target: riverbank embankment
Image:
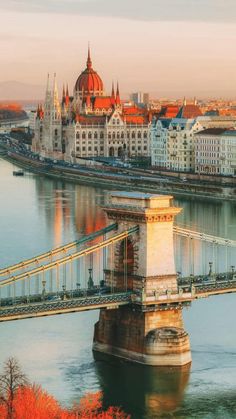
<point>121,179</point>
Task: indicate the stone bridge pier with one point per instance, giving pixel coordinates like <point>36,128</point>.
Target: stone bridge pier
<point>142,332</point>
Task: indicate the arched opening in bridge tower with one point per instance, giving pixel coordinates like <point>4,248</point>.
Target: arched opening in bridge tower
<point>126,257</point>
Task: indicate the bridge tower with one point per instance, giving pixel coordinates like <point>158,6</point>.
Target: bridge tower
<point>145,332</point>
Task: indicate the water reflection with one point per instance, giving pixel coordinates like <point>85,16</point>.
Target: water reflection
<point>56,351</point>
<point>142,391</point>
<point>70,208</point>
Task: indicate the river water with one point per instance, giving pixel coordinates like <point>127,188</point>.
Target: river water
<point>37,214</point>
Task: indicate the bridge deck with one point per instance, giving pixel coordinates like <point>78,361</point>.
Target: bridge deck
<point>50,308</point>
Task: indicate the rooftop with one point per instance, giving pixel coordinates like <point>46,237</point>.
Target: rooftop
<point>214,131</point>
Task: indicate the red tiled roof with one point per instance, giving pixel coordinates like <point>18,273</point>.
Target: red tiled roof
<point>91,119</point>
<point>136,119</point>
<point>169,111</point>
<point>134,110</point>
<point>189,111</point>
<point>102,102</point>
<point>212,131</point>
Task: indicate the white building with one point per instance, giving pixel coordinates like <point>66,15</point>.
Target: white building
<point>173,141</point>
<point>215,151</point>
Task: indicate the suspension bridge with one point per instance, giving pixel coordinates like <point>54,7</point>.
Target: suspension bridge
<point>124,266</point>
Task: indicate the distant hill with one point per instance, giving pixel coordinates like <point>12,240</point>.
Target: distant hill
<point>14,90</point>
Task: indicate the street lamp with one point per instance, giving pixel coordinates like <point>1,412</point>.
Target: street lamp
<point>77,288</point>
<point>210,268</point>
<point>64,291</point>
<point>90,280</point>
<point>44,289</point>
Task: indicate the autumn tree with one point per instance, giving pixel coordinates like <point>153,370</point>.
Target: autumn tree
<point>34,402</point>
<point>21,400</point>
<point>11,380</point>
<point>90,407</point>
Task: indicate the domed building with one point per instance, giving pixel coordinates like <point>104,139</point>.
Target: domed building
<point>88,82</point>
<point>90,123</point>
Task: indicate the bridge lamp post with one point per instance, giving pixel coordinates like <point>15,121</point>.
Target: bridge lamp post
<point>210,268</point>
<point>64,292</point>
<point>44,289</point>
<point>77,286</point>
<point>191,278</point>
<point>90,280</point>
<point>179,274</point>
<point>232,270</point>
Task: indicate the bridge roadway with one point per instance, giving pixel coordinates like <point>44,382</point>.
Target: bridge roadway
<point>49,308</point>
<point>156,300</point>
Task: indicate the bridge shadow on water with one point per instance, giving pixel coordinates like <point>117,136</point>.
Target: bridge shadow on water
<point>143,391</point>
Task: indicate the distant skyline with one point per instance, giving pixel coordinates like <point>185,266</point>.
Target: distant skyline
<point>174,48</point>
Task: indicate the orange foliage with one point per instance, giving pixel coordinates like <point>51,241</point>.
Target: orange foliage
<point>11,106</point>
<point>33,402</point>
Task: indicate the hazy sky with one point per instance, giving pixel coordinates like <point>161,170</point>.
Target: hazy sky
<point>167,47</point>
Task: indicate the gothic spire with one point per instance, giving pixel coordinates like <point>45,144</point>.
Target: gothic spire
<point>89,61</point>
<point>117,94</point>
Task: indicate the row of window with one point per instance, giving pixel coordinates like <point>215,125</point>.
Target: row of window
<point>133,148</point>
<point>113,134</point>
<point>78,149</point>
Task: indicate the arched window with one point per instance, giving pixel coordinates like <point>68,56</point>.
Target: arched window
<point>145,134</point>
<point>89,135</point>
<point>101,135</point>
<point>139,134</point>
<point>122,135</point>
<point>120,151</point>
<point>118,134</point>
<point>111,152</point>
<point>83,135</point>
<point>77,135</point>
<point>95,135</point>
<point>109,135</point>
<point>113,135</point>
<point>133,134</point>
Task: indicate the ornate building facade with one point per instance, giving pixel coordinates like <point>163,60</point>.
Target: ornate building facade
<point>90,123</point>
<point>173,140</point>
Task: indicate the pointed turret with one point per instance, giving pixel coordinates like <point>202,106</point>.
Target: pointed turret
<point>117,94</point>
<point>89,61</point>
<point>48,100</point>
<point>41,111</point>
<point>184,101</point>
<point>67,97</point>
<point>63,94</point>
<point>113,98</point>
<point>56,109</point>
<point>48,92</point>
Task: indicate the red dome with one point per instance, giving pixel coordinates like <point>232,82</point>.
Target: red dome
<point>89,81</point>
